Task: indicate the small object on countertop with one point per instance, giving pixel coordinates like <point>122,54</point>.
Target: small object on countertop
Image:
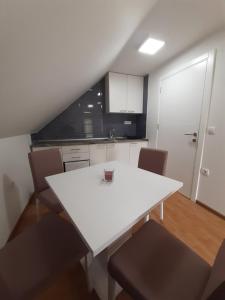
<point>108,175</point>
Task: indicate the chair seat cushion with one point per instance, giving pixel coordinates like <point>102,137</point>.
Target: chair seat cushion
<point>218,293</point>
<point>155,265</point>
<point>43,250</point>
<point>217,277</point>
<point>50,200</point>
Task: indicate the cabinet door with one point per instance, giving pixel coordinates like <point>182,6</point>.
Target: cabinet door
<point>135,94</point>
<point>135,148</point>
<point>118,151</point>
<point>111,152</point>
<point>97,154</point>
<point>123,152</point>
<point>117,93</point>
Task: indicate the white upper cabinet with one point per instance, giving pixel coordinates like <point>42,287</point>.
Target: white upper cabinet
<point>117,92</point>
<point>124,93</point>
<point>135,94</point>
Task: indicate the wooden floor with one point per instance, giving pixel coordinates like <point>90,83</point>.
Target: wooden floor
<point>197,227</point>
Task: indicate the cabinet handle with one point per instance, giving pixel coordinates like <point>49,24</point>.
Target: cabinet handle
<point>78,157</point>
<point>75,149</point>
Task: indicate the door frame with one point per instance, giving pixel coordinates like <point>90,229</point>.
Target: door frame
<point>210,58</point>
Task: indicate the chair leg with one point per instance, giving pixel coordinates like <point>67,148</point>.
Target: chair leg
<point>161,211</point>
<point>111,288</point>
<point>87,262</point>
<point>37,207</point>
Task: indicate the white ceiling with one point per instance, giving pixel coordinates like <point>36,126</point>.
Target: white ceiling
<point>53,50</point>
<point>180,23</point>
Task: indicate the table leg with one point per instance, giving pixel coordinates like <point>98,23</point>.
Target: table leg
<point>161,211</point>
<point>147,218</point>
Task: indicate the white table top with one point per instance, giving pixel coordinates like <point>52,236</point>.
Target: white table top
<point>103,212</point>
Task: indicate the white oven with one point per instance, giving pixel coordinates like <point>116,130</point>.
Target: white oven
<point>73,165</point>
<point>75,157</point>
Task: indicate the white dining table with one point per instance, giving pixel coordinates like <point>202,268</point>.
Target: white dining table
<point>103,213</point>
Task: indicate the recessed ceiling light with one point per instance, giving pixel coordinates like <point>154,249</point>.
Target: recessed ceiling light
<point>151,46</point>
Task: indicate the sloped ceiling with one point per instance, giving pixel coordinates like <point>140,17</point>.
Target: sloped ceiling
<point>54,50</point>
<point>180,23</point>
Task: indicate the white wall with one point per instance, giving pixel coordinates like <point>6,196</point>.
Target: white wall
<point>52,51</point>
<point>212,188</point>
<point>15,182</point>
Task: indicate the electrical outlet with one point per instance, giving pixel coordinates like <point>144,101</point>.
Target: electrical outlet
<point>205,171</point>
<point>211,130</point>
<point>127,122</point>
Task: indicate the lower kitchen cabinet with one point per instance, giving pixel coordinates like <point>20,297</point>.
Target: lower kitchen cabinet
<point>118,151</point>
<point>97,154</point>
<point>135,148</point>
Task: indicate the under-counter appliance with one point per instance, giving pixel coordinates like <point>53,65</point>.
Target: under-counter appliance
<point>76,164</point>
<point>75,157</point>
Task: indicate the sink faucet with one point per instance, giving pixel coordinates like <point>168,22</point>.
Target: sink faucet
<point>112,133</point>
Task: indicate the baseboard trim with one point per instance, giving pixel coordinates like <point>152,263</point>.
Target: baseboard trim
<point>210,209</point>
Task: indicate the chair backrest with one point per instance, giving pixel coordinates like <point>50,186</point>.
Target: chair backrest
<point>44,163</point>
<point>153,160</point>
<point>215,287</point>
<point>4,291</point>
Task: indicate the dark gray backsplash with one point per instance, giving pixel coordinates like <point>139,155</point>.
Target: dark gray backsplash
<point>86,118</point>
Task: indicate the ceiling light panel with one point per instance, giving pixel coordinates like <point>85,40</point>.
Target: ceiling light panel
<point>151,46</point>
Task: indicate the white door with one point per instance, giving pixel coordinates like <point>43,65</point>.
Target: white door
<point>181,101</point>
<point>135,94</point>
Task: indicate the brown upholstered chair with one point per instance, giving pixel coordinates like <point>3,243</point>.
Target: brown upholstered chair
<point>154,265</point>
<point>30,261</point>
<point>153,160</point>
<point>45,163</point>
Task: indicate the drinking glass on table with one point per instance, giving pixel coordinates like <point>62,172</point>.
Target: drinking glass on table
<point>108,175</point>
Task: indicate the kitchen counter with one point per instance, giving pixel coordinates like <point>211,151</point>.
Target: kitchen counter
<point>68,142</point>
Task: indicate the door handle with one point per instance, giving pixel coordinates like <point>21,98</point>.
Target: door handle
<point>195,134</point>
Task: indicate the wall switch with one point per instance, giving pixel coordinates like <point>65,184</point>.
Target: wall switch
<point>205,171</point>
<point>211,130</point>
<point>127,122</point>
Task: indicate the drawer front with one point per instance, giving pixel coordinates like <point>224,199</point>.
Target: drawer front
<point>75,149</point>
<point>46,148</point>
<point>75,156</point>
